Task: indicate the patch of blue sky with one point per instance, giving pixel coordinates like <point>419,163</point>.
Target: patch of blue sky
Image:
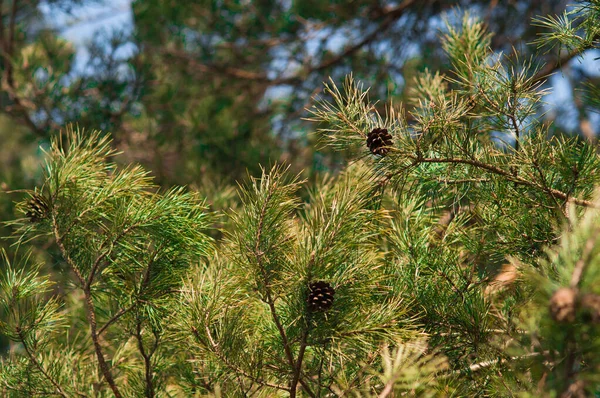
<point>89,23</point>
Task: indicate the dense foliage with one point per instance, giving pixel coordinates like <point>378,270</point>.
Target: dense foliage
<point>455,254</point>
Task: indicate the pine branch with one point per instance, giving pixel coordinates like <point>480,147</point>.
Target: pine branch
<point>116,317</point>
<point>583,262</point>
<point>509,176</point>
<point>7,46</point>
<point>486,364</point>
<point>39,365</point>
<point>107,252</point>
<point>301,351</point>
<point>390,16</point>
<point>215,348</point>
<point>91,311</point>
<point>258,254</point>
<point>558,63</point>
<point>147,358</point>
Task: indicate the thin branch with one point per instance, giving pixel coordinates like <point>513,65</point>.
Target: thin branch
<point>91,312</point>
<point>39,365</point>
<point>389,388</point>
<point>390,17</point>
<point>9,44</point>
<point>301,351</point>
<point>147,359</point>
<point>215,348</point>
<point>7,76</point>
<point>101,256</point>
<point>584,260</point>
<point>509,176</point>
<point>115,317</point>
<point>486,364</point>
<point>552,67</point>
<point>269,298</point>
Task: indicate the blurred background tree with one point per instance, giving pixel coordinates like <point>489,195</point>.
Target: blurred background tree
<point>216,88</point>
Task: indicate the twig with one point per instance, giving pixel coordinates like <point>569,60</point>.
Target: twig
<point>389,388</point>
<point>102,255</point>
<point>91,312</point>
<point>7,44</point>
<point>390,17</point>
<point>115,317</point>
<point>301,351</point>
<point>271,303</point>
<point>516,179</point>
<point>147,359</point>
<point>486,364</point>
<point>39,365</point>
<point>550,68</point>
<point>215,348</point>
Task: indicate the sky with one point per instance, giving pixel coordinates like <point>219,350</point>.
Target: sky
<point>89,22</point>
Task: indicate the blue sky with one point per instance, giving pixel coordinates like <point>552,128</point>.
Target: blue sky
<point>87,23</point>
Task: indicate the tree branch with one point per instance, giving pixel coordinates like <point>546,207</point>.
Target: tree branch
<point>390,16</point>
<point>509,176</point>
<point>8,84</point>
<point>39,365</point>
<point>147,359</point>
<point>101,256</point>
<point>115,317</point>
<point>91,312</point>
<point>271,302</point>
<point>584,260</point>
<point>215,348</point>
<point>558,63</point>
<point>301,351</point>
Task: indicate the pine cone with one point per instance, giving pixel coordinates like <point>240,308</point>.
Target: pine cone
<point>320,296</point>
<point>37,208</point>
<point>379,141</point>
<point>590,305</point>
<point>562,305</point>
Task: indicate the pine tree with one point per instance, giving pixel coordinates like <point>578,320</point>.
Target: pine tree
<point>458,255</point>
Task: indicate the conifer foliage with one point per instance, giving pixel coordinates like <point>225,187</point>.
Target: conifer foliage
<point>463,259</point>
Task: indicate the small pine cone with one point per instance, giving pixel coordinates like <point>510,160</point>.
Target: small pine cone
<point>37,208</point>
<point>320,296</point>
<point>562,305</point>
<point>379,141</point>
<point>590,305</point>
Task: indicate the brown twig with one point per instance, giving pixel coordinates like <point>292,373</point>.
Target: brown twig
<point>583,260</point>
<point>215,348</point>
<point>38,365</point>
<point>147,358</point>
<point>8,85</point>
<point>301,351</point>
<point>102,255</point>
<point>91,312</point>
<point>115,317</point>
<point>551,67</point>
<point>389,17</point>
